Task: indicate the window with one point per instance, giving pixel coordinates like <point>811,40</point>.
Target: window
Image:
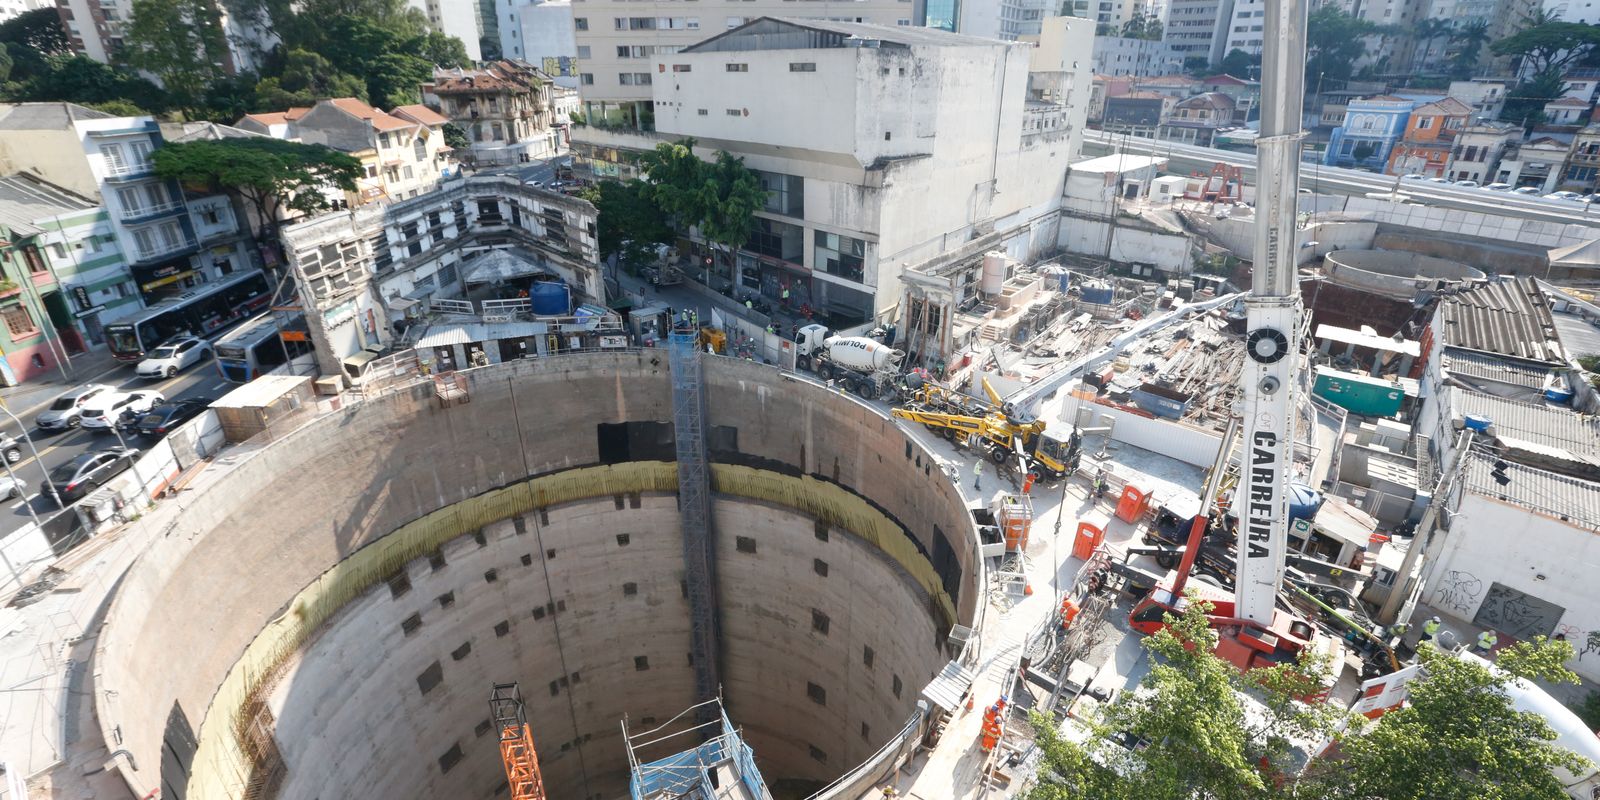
<point>583,51</point>
<point>580,23</point>
<point>803,66</point>
<point>734,22</point>
<point>140,152</point>
<point>383,140</point>
<point>1424,123</point>
<point>586,79</point>
<point>116,162</point>
<point>634,78</point>
<point>681,68</point>
<point>419,148</point>
<point>19,322</point>
<point>840,255</point>
<point>736,67</point>
<point>785,193</point>
<point>703,112</point>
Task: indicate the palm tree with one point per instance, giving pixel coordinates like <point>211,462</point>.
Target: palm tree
<point>1426,31</point>
<point>1469,40</point>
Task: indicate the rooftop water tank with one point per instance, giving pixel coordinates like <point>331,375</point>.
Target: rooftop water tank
<point>994,273</point>
<point>1478,424</point>
<point>550,298</point>
<point>1304,501</point>
<point>1098,293</point>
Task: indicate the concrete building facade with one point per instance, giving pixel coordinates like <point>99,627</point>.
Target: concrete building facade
<point>618,44</point>
<point>505,107</point>
<point>541,34</point>
<point>1371,129</point>
<point>1475,156</point>
<point>1582,165</point>
<point>1199,29</point>
<point>1196,120</point>
<point>1116,56</point>
<point>361,271</point>
<point>458,18</point>
<point>1430,131</point>
<point>1536,163</point>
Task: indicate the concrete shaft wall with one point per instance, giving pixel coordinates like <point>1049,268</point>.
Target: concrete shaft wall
<point>387,694</point>
<point>232,557</point>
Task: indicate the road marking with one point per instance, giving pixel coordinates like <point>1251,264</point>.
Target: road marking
<point>219,386</point>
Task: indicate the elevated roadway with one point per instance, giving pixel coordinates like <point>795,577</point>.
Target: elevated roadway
<point>1337,180</point>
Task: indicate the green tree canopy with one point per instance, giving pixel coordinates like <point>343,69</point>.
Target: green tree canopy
<point>1551,46</point>
<point>306,78</point>
<point>80,79</point>
<point>1458,735</point>
<point>179,41</point>
<point>1468,41</point>
<point>268,174</point>
<point>1142,26</point>
<point>1335,41</point>
<point>38,30</point>
<point>1240,64</point>
<point>630,221</point>
<point>719,198</point>
<point>1525,102</point>
<point>456,138</point>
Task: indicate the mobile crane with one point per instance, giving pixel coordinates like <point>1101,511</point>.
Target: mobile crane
<point>1001,436</point>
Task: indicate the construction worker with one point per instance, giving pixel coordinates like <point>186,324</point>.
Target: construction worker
<point>786,298</point>
<point>1430,629</point>
<point>1398,630</point>
<point>1487,640</point>
<point>977,475</point>
<point>748,305</point>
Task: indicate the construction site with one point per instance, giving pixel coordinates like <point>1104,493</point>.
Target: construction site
<point>591,560</point>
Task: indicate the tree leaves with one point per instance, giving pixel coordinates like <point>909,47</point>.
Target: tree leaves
<point>1551,46</point>
<point>267,173</point>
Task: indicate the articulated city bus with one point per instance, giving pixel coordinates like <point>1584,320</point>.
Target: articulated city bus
<point>270,343</point>
<point>203,311</point>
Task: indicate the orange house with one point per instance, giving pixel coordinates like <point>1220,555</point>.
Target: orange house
<point>1425,148</point>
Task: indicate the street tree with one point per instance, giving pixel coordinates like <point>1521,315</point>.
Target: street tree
<point>1458,735</point>
<point>1196,737</point>
<point>80,79</point>
<point>38,30</point>
<point>1551,46</point>
<point>306,78</point>
<point>1426,31</point>
<point>455,138</point>
<point>1143,26</point>
<point>1526,100</point>
<point>630,223</point>
<point>1240,64</point>
<point>182,42</point>
<point>1468,41</point>
<point>1335,41</point>
<point>674,173</point>
<point>719,198</point>
<point>268,175</point>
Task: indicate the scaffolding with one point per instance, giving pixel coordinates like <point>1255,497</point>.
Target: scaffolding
<point>694,508</point>
<point>722,767</point>
<point>516,743</point>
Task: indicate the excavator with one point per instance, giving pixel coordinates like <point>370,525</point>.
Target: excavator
<point>1001,436</point>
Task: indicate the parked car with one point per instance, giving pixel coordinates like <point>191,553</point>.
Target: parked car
<point>66,411</point>
<point>1415,176</point>
<point>173,357</point>
<point>12,486</point>
<point>90,471</point>
<point>1438,180</point>
<point>106,410</point>
<point>1571,196</point>
<point>1498,187</point>
<point>164,418</point>
<point>1526,190</point>
<point>10,448</point>
<point>1467,184</point>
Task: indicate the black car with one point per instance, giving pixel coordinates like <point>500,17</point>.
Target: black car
<point>89,471</point>
<point>162,419</point>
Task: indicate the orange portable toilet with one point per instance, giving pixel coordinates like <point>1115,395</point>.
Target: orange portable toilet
<point>1088,538</point>
<point>1132,504</point>
<point>1015,517</point>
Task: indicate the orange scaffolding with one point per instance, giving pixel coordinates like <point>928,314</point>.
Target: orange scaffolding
<point>516,743</point>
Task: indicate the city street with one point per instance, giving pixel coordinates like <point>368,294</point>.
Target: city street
<point>59,447</point>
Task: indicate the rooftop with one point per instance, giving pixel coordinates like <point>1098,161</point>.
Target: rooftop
<point>1470,366</point>
<point>1214,100</point>
<point>1542,430</point>
<point>786,33</point>
<point>502,75</point>
<point>26,199</point>
<point>1120,162</point>
<point>1508,317</point>
<point>1570,102</point>
<point>1573,500</point>
<point>44,116</point>
<point>1449,107</point>
<point>420,114</point>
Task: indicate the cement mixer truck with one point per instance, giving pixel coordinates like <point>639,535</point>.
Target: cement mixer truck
<point>866,366</point>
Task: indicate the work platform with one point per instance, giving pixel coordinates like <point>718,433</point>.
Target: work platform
<point>722,767</point>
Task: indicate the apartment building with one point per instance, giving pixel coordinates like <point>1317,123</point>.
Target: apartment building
<point>1582,165</point>
<point>1372,127</point>
<point>1115,57</point>
<point>618,44</point>
<point>505,107</point>
<point>95,28</point>
<point>458,18</point>
<point>1475,156</point>
<point>12,8</point>
<point>540,33</point>
<point>1430,132</point>
<point>1503,18</point>
<point>172,240</point>
<point>1198,29</point>
<point>402,152</point>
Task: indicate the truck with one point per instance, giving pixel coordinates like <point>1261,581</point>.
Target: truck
<point>866,366</point>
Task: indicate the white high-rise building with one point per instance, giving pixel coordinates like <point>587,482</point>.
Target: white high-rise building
<point>1199,29</point>
<point>458,18</point>
<point>12,8</point>
<point>540,33</point>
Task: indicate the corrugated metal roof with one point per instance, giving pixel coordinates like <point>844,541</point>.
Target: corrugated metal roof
<point>26,199</point>
<point>442,335</point>
<point>947,690</point>
<point>1573,500</point>
<point>1551,429</point>
<point>1486,366</point>
<point>44,116</point>
<point>1509,317</point>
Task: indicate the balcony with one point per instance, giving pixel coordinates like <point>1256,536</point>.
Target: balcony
<point>162,250</point>
<point>129,172</point>
<point>148,213</point>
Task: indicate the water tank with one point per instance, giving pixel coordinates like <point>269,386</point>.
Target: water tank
<point>1304,501</point>
<point>1098,293</point>
<point>1478,424</point>
<point>994,273</point>
<point>550,298</point>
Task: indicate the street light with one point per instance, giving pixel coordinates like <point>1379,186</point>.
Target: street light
<point>48,484</point>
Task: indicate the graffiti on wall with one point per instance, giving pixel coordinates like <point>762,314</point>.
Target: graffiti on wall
<point>1517,613</point>
<point>1458,592</point>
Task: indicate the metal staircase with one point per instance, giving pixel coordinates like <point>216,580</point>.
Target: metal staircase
<point>694,508</point>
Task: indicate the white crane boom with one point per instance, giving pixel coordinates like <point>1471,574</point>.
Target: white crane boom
<point>1272,313</point>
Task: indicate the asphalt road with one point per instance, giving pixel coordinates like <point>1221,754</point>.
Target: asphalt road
<point>59,447</point>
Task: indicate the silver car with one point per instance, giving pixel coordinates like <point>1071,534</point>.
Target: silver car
<point>12,486</point>
<point>67,411</point>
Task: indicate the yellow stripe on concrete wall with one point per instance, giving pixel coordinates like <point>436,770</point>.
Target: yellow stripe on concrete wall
<point>221,767</point>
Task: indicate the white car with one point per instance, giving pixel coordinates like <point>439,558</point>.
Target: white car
<point>1438,180</point>
<point>1526,190</point>
<point>1498,187</point>
<point>108,409</point>
<point>1569,196</point>
<point>173,357</point>
<point>12,486</point>
<point>1415,176</point>
<point>1467,184</point>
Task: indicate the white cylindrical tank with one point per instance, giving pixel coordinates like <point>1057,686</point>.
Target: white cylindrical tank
<point>994,273</point>
<point>861,353</point>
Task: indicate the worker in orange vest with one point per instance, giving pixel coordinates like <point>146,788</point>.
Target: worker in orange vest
<point>1069,612</point>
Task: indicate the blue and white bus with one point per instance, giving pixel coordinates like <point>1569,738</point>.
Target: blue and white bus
<point>270,343</point>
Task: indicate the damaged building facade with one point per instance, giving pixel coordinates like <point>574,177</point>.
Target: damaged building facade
<point>363,271</point>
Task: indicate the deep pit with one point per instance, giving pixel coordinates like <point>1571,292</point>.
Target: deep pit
<point>328,619</point>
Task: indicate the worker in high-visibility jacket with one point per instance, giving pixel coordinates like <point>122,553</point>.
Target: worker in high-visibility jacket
<point>1430,629</point>
<point>1487,640</point>
<point>1069,612</point>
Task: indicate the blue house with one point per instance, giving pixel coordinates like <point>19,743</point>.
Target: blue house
<point>1372,127</point>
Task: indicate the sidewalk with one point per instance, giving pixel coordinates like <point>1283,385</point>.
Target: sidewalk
<point>33,395</point>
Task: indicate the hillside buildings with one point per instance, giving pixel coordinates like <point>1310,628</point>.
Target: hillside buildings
<point>402,152</point>
<point>541,34</point>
